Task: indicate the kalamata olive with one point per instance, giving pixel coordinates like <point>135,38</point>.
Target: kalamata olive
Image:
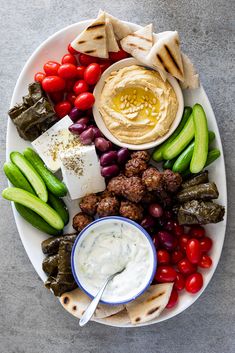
<point>110,171</point>
<point>84,120</point>
<point>166,239</point>
<point>148,222</point>
<point>155,210</point>
<point>87,136</point>
<point>75,114</point>
<point>77,128</point>
<point>123,155</point>
<point>97,132</point>
<point>108,158</point>
<point>102,144</point>
<point>169,225</point>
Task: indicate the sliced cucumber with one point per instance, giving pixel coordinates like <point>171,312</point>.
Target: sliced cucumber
<point>35,204</point>
<point>15,176</point>
<point>157,154</point>
<point>200,151</point>
<point>181,141</point>
<point>30,173</point>
<point>212,156</point>
<point>168,164</point>
<point>59,206</point>
<point>36,221</point>
<point>53,184</point>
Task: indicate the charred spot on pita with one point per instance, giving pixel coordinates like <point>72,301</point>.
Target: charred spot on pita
<point>74,308</point>
<point>172,57</point>
<point>81,42</point>
<point>150,312</point>
<point>98,37</point>
<point>156,296</point>
<point>95,26</point>
<point>141,37</point>
<point>137,319</point>
<point>66,300</point>
<point>162,62</point>
<point>136,46</point>
<point>90,51</point>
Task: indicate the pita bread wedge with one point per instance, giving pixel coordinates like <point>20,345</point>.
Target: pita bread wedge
<point>76,302</point>
<point>111,39</point>
<point>93,40</point>
<point>191,78</point>
<point>139,43</point>
<point>120,318</point>
<point>166,55</point>
<point>150,304</point>
<point>121,29</point>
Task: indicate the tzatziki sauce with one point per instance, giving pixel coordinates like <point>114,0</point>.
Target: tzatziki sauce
<point>108,247</point>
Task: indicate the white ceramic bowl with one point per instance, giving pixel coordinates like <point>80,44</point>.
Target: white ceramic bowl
<point>100,122</point>
<point>98,225</point>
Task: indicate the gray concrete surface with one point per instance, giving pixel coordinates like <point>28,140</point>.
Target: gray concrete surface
<point>31,320</point>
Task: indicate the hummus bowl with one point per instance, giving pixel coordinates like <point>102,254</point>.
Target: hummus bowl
<point>109,245</point>
<point>102,125</point>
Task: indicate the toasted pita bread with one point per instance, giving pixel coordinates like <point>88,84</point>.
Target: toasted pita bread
<point>191,78</point>
<point>76,302</point>
<point>121,29</point>
<point>111,39</point>
<point>120,318</point>
<point>139,43</point>
<point>93,40</point>
<point>150,304</point>
<point>166,55</point>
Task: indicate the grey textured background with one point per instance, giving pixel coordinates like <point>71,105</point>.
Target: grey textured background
<point>31,320</point>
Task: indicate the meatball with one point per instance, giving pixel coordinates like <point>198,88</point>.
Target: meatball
<point>135,166</point>
<point>152,179</point>
<point>134,189</point>
<point>116,185</point>
<point>144,155</point>
<point>105,194</point>
<point>131,210</point>
<point>172,181</point>
<point>109,206</point>
<point>89,204</point>
<point>81,220</point>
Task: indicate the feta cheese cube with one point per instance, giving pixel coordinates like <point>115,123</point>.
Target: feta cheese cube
<point>55,140</point>
<point>81,171</point>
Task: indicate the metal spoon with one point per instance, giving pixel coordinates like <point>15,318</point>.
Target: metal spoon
<point>87,315</point>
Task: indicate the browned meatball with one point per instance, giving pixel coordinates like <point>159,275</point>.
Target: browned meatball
<point>152,179</point>
<point>131,210</point>
<point>172,181</point>
<point>117,184</point>
<point>89,204</point>
<point>144,155</point>
<point>134,189</point>
<point>81,220</point>
<point>105,194</point>
<point>108,206</point>
<point>135,166</point>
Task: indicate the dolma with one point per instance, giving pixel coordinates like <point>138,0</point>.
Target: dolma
<point>200,212</point>
<point>51,245</point>
<point>50,265</point>
<point>207,191</point>
<point>197,179</point>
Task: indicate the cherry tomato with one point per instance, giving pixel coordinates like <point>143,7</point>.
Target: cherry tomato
<point>62,108</point>
<point>67,71</point>
<point>165,274</point>
<point>69,59</point>
<point>173,299</point>
<point>84,101</point>
<point>39,76</point>
<point>206,244</point>
<point>197,232</point>
<point>193,251</point>
<point>71,97</point>
<point>80,71</point>
<point>92,73</point>
<point>194,282</point>
<point>176,256</point>
<point>205,261</point>
<point>80,86</point>
<point>179,281</point>
<point>69,85</point>
<point>119,55</point>
<point>183,239</point>
<point>57,96</point>
<point>186,267</point>
<point>51,68</point>
<point>86,60</point>
<point>163,257</point>
<point>53,84</point>
<point>71,50</point>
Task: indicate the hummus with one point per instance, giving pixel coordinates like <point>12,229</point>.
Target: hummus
<point>137,106</point>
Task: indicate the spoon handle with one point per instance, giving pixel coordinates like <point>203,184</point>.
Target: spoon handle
<point>93,305</point>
